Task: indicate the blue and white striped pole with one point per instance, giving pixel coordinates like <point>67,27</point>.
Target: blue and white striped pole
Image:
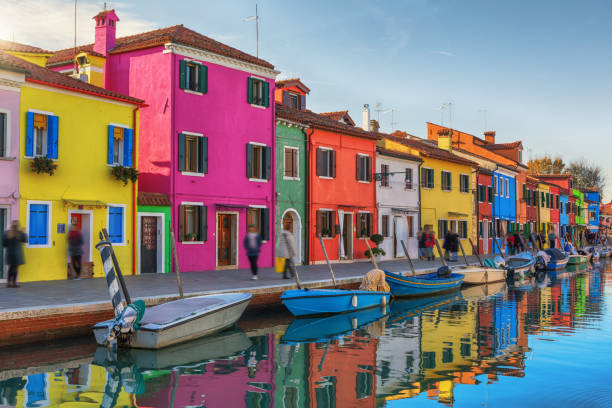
<point>111,277</point>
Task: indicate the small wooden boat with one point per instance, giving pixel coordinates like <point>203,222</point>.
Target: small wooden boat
<point>306,302</point>
<point>182,320</point>
<point>422,285</point>
<point>577,259</point>
<point>477,275</point>
<point>322,329</point>
<point>558,259</point>
<point>605,252</point>
<point>521,264</point>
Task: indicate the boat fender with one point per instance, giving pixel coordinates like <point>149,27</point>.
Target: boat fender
<point>444,272</point>
<point>354,323</point>
<point>354,301</point>
<point>383,301</point>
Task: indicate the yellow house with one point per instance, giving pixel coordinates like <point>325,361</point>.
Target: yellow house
<point>29,53</point>
<point>544,211</point>
<point>447,199</point>
<point>79,133</point>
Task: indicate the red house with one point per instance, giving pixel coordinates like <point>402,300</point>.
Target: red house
<point>484,210</point>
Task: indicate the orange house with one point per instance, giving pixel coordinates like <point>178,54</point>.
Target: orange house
<point>340,191</point>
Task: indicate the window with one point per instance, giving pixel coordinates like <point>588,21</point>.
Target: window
<point>495,189</point>
<point>410,220</point>
<point>480,230</point>
<point>462,229</point>
<point>193,222</point>
<point>258,161</point>
<point>193,76</point>
<point>193,153</point>
<point>490,194</point>
<point>442,228</point>
<point>326,162</point>
<point>384,225</point>
<point>41,135</point>
<point>520,156</point>
<point>116,224</point>
<point>464,183</point>
<point>384,177</point>
<point>3,134</point>
<point>427,178</point>
<point>547,200</point>
<point>408,179</point>
<point>120,146</point>
<point>447,355</point>
<point>260,218</point>
<point>326,223</point>
<point>364,385</point>
<point>429,359</point>
<point>364,225</point>
<point>481,193</point>
<point>291,163</point>
<point>446,180</point>
<point>258,92</point>
<point>39,224</point>
<point>524,192</point>
<point>363,167</point>
<point>543,197</point>
<point>294,100</point>
<point>507,189</point>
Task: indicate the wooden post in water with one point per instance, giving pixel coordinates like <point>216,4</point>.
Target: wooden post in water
<point>475,250</point>
<point>371,253</point>
<point>462,251</point>
<point>408,257</point>
<point>440,252</point>
<point>179,280</point>
<point>331,271</point>
<point>126,295</point>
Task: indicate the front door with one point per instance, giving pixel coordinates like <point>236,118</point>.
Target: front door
<point>148,244</point>
<point>3,227</point>
<point>225,236</point>
<point>347,235</point>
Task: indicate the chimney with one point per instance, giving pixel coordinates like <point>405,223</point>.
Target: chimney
<point>106,25</point>
<point>365,117</point>
<point>444,139</point>
<point>374,126</point>
<point>490,136</point>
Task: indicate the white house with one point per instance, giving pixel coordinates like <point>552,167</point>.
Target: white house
<point>397,197</point>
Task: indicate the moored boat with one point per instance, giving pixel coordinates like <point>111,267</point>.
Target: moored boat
<point>422,285</point>
<point>557,260</point>
<point>577,259</point>
<point>306,302</point>
<point>477,275</point>
<point>521,264</point>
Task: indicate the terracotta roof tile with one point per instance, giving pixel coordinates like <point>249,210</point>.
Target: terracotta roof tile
<point>339,115</point>
<point>38,73</point>
<point>175,34</point>
<point>399,155</point>
<point>157,199</point>
<point>292,81</point>
<point>503,146</point>
<point>320,121</point>
<point>17,47</point>
<point>103,13</point>
<point>429,150</point>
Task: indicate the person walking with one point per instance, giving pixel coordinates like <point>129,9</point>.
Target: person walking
<point>252,244</point>
<point>286,249</point>
<point>429,244</point>
<point>13,241</point>
<point>451,246</point>
<point>422,238</point>
<point>75,250</point>
<point>552,239</point>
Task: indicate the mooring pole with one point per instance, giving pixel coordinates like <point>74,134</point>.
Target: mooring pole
<point>331,271</point>
<point>179,280</point>
<point>126,294</point>
<point>408,257</point>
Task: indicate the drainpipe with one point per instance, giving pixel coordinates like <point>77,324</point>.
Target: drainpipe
<point>419,195</point>
<point>135,143</point>
<point>477,208</point>
<point>307,136</point>
<point>494,237</point>
<point>173,167</point>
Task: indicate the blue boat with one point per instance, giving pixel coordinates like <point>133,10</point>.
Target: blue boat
<point>322,329</point>
<point>558,259</point>
<point>422,285</point>
<point>306,302</point>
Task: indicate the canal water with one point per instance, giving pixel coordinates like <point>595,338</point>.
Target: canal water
<point>537,344</point>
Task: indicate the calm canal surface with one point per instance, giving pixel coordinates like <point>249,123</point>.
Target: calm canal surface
<point>546,344</point>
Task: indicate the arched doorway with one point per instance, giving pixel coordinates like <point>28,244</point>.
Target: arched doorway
<point>291,221</point>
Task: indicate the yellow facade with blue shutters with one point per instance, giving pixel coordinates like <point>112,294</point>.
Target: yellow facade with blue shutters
<point>80,133</point>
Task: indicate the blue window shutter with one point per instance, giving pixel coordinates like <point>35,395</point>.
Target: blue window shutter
<point>183,74</point>
<point>266,93</point>
<point>128,146</point>
<point>52,147</point>
<point>115,224</point>
<point>38,228</point>
<point>30,134</point>
<point>111,140</point>
<point>203,80</point>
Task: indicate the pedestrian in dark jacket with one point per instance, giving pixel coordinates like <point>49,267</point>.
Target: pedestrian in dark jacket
<point>75,250</point>
<point>422,238</point>
<point>451,246</point>
<point>13,241</point>
<point>252,244</point>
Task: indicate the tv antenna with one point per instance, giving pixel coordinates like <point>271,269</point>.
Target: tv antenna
<point>484,119</point>
<point>449,105</point>
<point>393,123</point>
<point>256,19</point>
<point>378,110</point>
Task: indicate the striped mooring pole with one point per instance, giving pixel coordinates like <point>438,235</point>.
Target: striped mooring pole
<point>113,274</point>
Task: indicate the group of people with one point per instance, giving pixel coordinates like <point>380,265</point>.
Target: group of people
<point>13,240</point>
<point>427,242</point>
<point>285,248</point>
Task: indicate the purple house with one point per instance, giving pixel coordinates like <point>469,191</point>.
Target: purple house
<point>207,134</point>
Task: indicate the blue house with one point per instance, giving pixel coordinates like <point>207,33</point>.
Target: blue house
<point>563,214</point>
<point>504,204</point>
<point>592,218</point>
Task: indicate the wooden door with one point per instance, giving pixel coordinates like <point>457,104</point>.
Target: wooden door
<point>347,235</point>
<point>224,240</point>
<point>148,244</point>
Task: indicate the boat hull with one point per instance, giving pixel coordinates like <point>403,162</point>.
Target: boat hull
<point>156,333</point>
<point>556,265</point>
<point>481,276</point>
<point>421,285</point>
<point>307,302</point>
<point>577,259</point>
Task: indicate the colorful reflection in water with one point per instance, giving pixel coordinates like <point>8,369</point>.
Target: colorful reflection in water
<point>536,344</point>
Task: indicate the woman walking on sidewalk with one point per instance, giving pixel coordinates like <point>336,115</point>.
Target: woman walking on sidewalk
<point>422,238</point>
<point>75,250</point>
<point>13,241</point>
<point>286,249</point>
<point>252,244</point>
<point>430,241</point>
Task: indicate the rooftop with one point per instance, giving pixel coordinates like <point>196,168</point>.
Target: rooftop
<point>18,47</point>
<point>292,82</point>
<point>430,150</point>
<point>503,146</point>
<point>156,199</point>
<point>398,155</point>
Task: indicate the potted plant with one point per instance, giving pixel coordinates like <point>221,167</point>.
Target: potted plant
<point>378,252</point>
<point>43,165</point>
<point>125,174</point>
<point>192,237</point>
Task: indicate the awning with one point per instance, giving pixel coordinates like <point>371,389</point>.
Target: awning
<point>231,205</point>
<point>457,214</point>
<point>404,210</point>
<point>84,203</point>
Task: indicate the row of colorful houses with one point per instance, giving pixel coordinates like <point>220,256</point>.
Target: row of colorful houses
<point>219,144</point>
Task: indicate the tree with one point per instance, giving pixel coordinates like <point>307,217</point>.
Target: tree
<point>587,174</point>
<point>546,165</point>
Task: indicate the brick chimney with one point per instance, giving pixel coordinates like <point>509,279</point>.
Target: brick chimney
<point>374,126</point>
<point>106,25</point>
<point>490,136</point>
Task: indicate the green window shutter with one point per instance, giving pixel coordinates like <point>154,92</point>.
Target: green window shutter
<point>431,178</point>
<point>266,94</point>
<point>203,155</point>
<point>183,74</point>
<point>250,90</point>
<point>181,152</point>
<point>249,158</point>
<point>265,224</point>
<point>267,162</point>
<point>524,191</point>
<point>203,78</point>
<point>203,223</point>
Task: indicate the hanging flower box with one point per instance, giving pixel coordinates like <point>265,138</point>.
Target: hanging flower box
<point>43,165</point>
<point>124,174</point>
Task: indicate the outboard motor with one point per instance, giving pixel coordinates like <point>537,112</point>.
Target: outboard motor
<point>444,272</point>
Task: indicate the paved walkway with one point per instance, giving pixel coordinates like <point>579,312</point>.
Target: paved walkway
<point>37,295</point>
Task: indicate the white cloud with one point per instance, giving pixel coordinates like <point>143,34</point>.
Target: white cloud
<point>49,24</point>
<point>445,53</point>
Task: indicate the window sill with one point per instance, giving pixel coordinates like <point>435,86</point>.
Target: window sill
<point>259,106</point>
<point>33,157</point>
<point>115,244</point>
<point>189,91</point>
<point>326,177</point>
<point>364,182</point>
<point>464,192</point>
<point>193,174</point>
<point>38,246</point>
<point>291,178</point>
<point>327,238</point>
<point>446,191</point>
<point>8,158</point>
<point>117,164</point>
<point>192,242</point>
<point>258,180</point>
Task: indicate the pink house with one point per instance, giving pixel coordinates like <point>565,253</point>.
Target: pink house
<point>207,134</point>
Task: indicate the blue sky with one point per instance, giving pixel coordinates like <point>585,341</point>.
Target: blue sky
<point>539,68</point>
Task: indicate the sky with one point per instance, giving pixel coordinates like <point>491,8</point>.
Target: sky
<point>540,69</point>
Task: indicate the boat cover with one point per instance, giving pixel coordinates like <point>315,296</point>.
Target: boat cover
<point>168,312</point>
<point>555,254</point>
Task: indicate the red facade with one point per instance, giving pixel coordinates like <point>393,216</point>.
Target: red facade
<point>485,212</point>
